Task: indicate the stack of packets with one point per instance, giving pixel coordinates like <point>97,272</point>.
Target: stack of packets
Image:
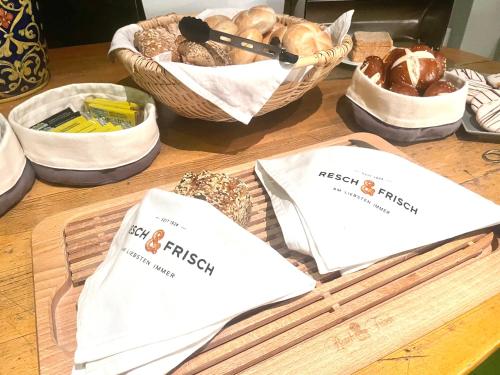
<point>176,272</point>
<point>349,207</point>
<point>98,115</point>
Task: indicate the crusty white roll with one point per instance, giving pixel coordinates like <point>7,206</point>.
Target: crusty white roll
<point>214,20</point>
<point>305,39</point>
<point>260,17</point>
<point>276,32</point>
<point>240,56</point>
<point>226,26</point>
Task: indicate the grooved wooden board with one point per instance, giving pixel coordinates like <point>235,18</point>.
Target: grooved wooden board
<point>69,246</point>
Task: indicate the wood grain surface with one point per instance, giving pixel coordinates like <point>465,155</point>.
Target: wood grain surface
<point>193,145</point>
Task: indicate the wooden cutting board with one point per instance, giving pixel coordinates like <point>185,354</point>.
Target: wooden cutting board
<point>343,325</point>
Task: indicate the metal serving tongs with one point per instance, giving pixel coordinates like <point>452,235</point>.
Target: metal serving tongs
<point>196,30</point>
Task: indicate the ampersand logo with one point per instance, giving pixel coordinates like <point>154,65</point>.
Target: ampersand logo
<point>153,244</point>
<point>367,187</point>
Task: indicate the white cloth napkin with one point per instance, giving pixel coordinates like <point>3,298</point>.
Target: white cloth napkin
<point>350,206</point>
<point>144,312</point>
<point>239,90</point>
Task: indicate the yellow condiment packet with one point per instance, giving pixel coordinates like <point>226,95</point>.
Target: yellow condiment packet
<point>112,103</point>
<point>72,126</point>
<point>124,117</point>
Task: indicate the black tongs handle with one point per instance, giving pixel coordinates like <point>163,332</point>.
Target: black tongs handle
<point>198,31</point>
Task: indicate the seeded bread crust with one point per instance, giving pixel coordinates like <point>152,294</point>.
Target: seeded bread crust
<point>202,54</point>
<point>152,42</point>
<point>228,194</point>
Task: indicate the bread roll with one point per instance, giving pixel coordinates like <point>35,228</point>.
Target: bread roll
<point>228,194</point>
<point>305,39</point>
<point>441,63</point>
<point>239,56</point>
<point>227,26</point>
<point>152,42</point>
<point>440,88</point>
<point>404,89</point>
<point>222,23</point>
<point>276,32</point>
<point>202,54</point>
<point>373,68</point>
<point>416,68</point>
<point>260,17</point>
<point>214,20</point>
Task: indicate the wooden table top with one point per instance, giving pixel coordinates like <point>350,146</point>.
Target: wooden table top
<point>457,346</point>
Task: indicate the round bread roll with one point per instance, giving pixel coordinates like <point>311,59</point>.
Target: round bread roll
<point>152,42</point>
<point>440,88</point>
<point>373,68</point>
<point>226,26</point>
<point>389,60</point>
<point>240,56</point>
<point>415,68</point>
<point>228,194</point>
<point>202,54</point>
<point>441,63</point>
<point>305,39</point>
<point>404,89</point>
<point>260,17</point>
<point>421,47</point>
<point>214,20</point>
<point>276,32</point>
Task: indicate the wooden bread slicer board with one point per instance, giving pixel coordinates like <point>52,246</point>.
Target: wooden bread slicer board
<point>345,324</point>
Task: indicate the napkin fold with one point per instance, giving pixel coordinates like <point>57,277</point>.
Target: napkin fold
<point>176,272</point>
<point>239,90</point>
<point>349,207</point>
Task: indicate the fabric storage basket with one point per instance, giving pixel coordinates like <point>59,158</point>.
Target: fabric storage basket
<point>86,159</point>
<point>170,91</point>
<point>404,118</point>
<point>16,173</point>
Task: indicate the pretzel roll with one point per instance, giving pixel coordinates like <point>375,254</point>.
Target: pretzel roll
<point>390,59</point>
<point>415,68</point>
<point>239,56</point>
<point>260,17</point>
<point>305,39</point>
<point>441,63</point>
<point>440,88</point>
<point>214,20</point>
<point>373,68</point>
<point>404,89</point>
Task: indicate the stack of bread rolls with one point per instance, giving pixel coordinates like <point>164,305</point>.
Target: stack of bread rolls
<point>259,23</point>
<point>415,71</point>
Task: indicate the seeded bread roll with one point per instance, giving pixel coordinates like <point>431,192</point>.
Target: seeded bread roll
<point>152,42</point>
<point>228,194</point>
<point>202,54</point>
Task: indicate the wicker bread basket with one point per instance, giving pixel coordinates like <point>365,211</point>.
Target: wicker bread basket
<point>169,90</point>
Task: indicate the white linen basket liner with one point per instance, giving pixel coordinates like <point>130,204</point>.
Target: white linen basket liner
<point>84,151</point>
<point>12,159</point>
<point>408,111</point>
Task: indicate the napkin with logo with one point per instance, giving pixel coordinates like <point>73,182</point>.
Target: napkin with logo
<point>239,90</point>
<point>348,206</point>
<point>176,272</point>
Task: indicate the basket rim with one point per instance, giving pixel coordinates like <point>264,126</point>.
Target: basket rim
<point>131,59</point>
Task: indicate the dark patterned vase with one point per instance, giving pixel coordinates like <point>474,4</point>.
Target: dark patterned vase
<point>23,56</point>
